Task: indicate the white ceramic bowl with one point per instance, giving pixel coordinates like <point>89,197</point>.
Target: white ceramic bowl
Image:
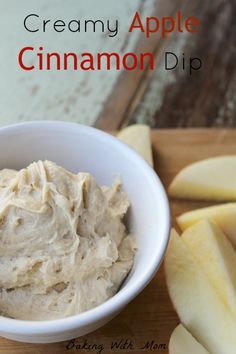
<point>80,148</point>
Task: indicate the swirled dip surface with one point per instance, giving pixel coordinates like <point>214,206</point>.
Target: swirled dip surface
<point>64,248</point>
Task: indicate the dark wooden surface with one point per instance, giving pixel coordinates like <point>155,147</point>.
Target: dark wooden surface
<point>175,99</point>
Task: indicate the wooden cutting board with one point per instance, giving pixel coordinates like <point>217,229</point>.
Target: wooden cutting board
<point>147,322</point>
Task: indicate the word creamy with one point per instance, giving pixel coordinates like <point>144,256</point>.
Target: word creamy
<point>34,23</point>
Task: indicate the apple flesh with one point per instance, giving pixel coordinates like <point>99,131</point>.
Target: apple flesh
<point>211,179</point>
<point>198,305</point>
<point>138,137</point>
<point>222,215</point>
<point>182,342</point>
<point>216,256</point>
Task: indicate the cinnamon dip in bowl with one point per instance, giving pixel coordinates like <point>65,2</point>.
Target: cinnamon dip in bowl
<point>141,213</point>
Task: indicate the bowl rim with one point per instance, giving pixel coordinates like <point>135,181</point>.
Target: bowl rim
<point>126,294</point>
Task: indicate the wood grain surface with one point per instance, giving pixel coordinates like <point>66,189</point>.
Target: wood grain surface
<point>163,98</point>
<point>129,84</point>
<point>150,317</point>
<point>110,100</point>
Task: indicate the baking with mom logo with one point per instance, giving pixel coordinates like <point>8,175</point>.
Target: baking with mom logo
<point>123,345</point>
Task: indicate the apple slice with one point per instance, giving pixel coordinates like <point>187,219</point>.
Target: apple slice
<point>216,256</point>
<point>223,215</point>
<point>211,179</point>
<point>198,305</point>
<point>182,342</point>
<point>138,137</point>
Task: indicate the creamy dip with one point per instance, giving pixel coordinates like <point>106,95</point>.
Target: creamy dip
<point>64,247</point>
